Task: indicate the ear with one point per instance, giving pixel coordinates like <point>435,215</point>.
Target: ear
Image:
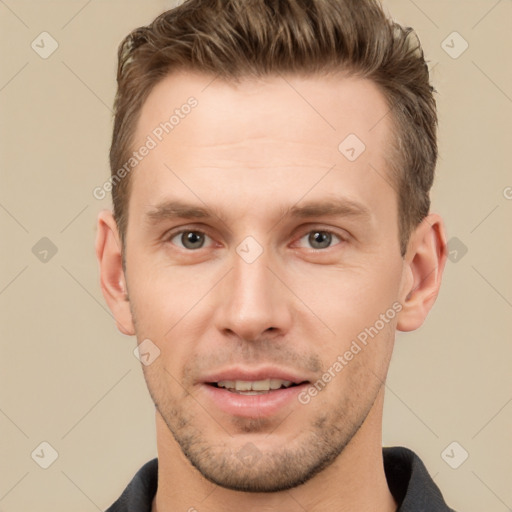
<point>112,278</point>
<point>423,269</point>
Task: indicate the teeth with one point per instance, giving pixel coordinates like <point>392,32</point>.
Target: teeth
<point>257,385</point>
<point>277,383</point>
<point>241,385</point>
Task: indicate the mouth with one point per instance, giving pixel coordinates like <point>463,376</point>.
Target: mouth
<point>251,393</point>
<point>255,387</point>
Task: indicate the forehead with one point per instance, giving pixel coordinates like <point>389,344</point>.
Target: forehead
<point>260,135</point>
<point>316,107</point>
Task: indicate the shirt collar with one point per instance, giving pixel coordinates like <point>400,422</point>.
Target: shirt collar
<point>408,480</point>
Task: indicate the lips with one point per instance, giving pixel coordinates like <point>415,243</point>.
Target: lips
<point>254,387</point>
<point>252,393</point>
<point>259,379</point>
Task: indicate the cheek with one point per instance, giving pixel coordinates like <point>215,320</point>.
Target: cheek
<point>357,309</point>
<point>155,309</point>
<point>162,293</point>
<point>168,304</point>
<point>346,297</point>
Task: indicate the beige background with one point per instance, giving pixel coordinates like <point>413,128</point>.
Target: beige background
<point>70,379</point>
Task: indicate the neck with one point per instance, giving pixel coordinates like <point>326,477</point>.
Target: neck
<point>355,481</point>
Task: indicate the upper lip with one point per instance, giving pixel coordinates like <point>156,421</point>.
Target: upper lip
<point>253,374</point>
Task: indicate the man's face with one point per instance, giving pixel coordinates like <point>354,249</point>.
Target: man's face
<point>268,286</point>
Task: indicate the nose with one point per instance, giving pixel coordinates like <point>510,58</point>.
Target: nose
<point>254,302</point>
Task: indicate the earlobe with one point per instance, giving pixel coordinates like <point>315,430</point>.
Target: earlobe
<point>424,265</point>
<point>112,278</point>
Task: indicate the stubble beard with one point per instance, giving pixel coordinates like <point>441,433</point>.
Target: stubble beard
<point>244,466</point>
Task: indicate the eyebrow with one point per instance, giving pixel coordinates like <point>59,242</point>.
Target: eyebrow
<point>178,209</point>
<point>341,208</point>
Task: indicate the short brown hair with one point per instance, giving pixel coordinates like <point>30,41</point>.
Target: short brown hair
<point>232,39</point>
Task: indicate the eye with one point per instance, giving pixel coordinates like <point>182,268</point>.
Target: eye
<point>320,239</point>
<point>189,239</point>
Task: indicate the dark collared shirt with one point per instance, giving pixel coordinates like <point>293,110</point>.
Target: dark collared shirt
<point>407,477</point>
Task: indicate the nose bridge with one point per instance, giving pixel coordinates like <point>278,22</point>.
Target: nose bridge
<point>252,281</point>
<point>253,299</point>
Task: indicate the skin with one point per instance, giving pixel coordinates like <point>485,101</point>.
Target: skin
<point>250,151</point>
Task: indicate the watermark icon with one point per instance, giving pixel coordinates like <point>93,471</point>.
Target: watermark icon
<point>249,249</point>
<point>351,147</point>
<point>507,193</point>
<point>249,454</point>
<point>356,347</point>
<point>152,140</point>
<point>44,45</point>
<point>44,455</point>
<point>44,249</point>
<point>454,455</point>
<point>454,45</point>
<point>146,352</point>
<point>456,249</point>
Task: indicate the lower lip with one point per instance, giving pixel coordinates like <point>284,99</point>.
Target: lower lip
<point>252,406</point>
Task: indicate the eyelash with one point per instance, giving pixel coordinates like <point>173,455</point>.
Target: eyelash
<point>174,234</point>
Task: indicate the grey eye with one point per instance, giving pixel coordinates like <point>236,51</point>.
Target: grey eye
<point>190,239</point>
<point>320,239</point>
